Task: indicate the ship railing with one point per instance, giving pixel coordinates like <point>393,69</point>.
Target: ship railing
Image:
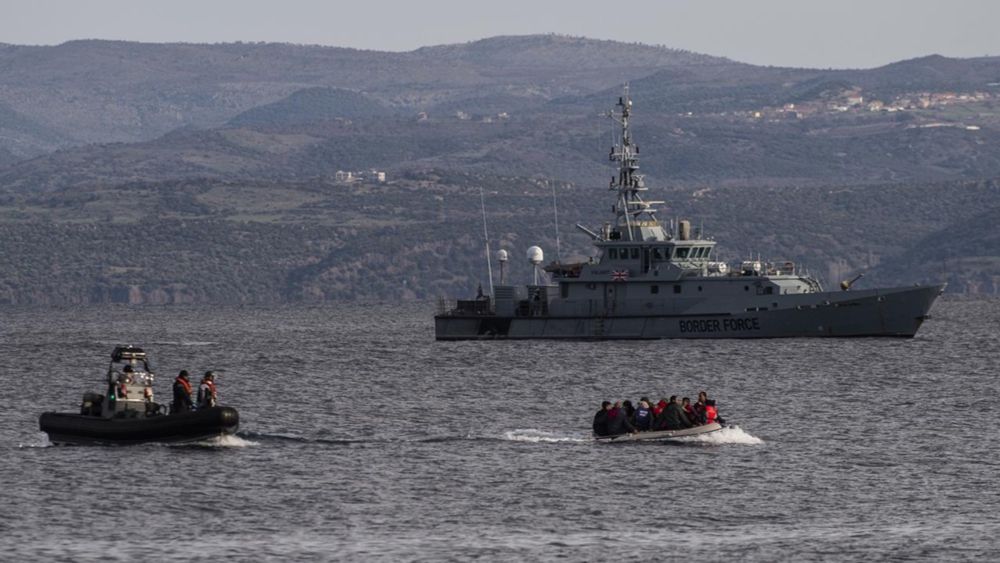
<point>465,307</point>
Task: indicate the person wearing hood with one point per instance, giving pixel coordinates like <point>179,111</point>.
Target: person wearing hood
<point>182,393</point>
<point>601,420</point>
<point>643,416</point>
<point>618,422</point>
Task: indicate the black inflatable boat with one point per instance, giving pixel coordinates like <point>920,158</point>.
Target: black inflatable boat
<point>127,414</point>
<point>192,426</point>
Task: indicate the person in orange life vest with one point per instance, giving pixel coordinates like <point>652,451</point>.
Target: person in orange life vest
<point>182,393</point>
<point>711,413</point>
<point>207,394</point>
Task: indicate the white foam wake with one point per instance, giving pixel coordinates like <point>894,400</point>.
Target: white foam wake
<point>728,435</point>
<point>536,436</point>
<point>227,441</point>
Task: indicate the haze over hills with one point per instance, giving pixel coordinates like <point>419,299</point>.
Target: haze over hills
<point>146,163</point>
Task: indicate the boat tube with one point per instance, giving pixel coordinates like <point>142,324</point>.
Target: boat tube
<point>662,435</point>
<point>191,426</point>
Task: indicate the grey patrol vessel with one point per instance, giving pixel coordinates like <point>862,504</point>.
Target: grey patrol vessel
<point>647,282</point>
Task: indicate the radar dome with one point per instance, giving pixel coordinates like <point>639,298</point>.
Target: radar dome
<point>502,255</point>
<point>535,255</point>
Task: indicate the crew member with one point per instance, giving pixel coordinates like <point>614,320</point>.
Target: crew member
<point>182,393</point>
<point>124,381</point>
<point>207,394</point>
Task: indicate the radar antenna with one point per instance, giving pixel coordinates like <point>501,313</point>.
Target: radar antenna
<point>630,208</point>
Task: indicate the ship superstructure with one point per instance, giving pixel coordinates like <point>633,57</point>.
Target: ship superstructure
<point>648,281</point>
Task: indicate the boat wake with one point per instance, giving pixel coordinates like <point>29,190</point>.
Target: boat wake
<point>728,435</point>
<point>226,441</point>
<point>541,436</point>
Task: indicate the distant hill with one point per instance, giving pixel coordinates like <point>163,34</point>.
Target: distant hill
<point>311,105</point>
<point>106,91</point>
<point>140,164</point>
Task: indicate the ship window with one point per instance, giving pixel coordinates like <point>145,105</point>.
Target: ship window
<point>654,289</point>
<point>769,290</point>
<point>677,289</point>
<point>657,255</point>
<point>635,253</point>
<point>702,252</point>
<point>613,253</point>
<point>699,288</point>
<point>682,252</point>
<point>746,288</point>
<point>564,290</point>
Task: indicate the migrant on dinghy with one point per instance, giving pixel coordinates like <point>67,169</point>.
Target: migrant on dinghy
<point>126,413</point>
<point>667,420</point>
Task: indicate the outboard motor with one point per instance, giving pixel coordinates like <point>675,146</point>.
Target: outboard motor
<point>91,405</point>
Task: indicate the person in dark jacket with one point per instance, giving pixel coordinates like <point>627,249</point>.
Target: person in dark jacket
<point>699,407</point>
<point>618,422</point>
<point>182,393</point>
<point>673,417</point>
<point>629,411</point>
<point>693,417</point>
<point>643,416</point>
<point>601,420</point>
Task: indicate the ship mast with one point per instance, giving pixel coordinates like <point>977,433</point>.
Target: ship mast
<point>630,207</point>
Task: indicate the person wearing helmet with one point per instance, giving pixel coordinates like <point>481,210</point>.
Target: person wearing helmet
<point>207,394</point>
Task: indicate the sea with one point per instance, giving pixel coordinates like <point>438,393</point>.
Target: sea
<point>362,438</point>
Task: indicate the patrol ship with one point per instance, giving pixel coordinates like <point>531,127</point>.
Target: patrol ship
<point>648,281</point>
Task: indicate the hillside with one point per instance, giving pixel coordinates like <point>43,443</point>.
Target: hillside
<point>213,173</point>
<point>115,91</point>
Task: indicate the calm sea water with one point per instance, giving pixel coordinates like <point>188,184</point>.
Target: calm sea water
<point>363,438</point>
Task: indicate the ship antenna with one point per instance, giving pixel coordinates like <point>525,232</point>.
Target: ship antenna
<point>555,216</point>
<point>486,237</point>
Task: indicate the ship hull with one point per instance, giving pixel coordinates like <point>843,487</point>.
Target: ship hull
<point>893,312</point>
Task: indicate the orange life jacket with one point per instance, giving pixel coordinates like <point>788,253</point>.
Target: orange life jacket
<point>184,383</point>
<point>710,414</point>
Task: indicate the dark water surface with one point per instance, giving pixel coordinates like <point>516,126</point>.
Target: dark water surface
<point>363,438</point>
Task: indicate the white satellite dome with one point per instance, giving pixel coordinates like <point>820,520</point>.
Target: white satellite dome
<point>535,255</point>
<point>502,255</point>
